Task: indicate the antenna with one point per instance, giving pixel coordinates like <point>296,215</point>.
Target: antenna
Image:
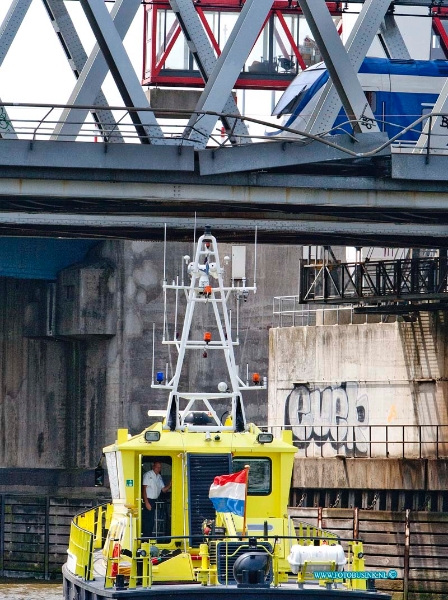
<point>164,283</point>
<point>164,254</point>
<point>206,286</point>
<point>255,262</point>
<point>177,300</point>
<point>237,321</point>
<point>194,235</point>
<point>153,342</point>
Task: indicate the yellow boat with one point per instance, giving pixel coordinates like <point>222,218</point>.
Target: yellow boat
<point>186,547</point>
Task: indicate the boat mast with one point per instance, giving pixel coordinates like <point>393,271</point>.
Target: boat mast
<point>206,286</point>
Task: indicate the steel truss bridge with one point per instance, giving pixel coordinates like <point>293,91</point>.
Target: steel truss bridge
<point>359,189</point>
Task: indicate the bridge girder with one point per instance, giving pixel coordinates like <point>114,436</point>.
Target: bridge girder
<point>285,230</point>
<point>53,187</point>
<point>220,77</point>
<point>131,192</point>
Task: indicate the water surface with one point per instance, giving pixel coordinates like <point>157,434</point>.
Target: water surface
<point>30,590</point>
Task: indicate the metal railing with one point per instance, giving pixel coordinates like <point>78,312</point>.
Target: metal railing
<point>87,532</point>
<point>288,311</point>
<point>374,281</point>
<point>34,121</point>
<point>368,441</point>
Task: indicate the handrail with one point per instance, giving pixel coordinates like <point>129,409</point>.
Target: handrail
<point>86,534</point>
<point>91,129</point>
<point>423,278</point>
<point>290,311</point>
<point>360,440</point>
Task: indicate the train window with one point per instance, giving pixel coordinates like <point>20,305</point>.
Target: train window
<point>371,99</point>
<point>260,474</point>
<point>298,88</point>
<point>292,105</point>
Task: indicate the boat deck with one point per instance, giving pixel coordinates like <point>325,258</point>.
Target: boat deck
<point>74,587</point>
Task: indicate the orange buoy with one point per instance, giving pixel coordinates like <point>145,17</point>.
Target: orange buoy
<point>256,378</point>
<point>207,337</point>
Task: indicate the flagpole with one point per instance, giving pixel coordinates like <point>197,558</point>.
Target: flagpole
<point>246,468</point>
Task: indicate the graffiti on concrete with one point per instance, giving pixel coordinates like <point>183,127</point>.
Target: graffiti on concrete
<point>334,418</point>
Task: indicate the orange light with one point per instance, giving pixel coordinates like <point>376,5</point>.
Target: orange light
<point>208,290</point>
<point>256,378</point>
<point>207,337</point>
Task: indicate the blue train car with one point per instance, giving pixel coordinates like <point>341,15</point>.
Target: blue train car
<point>398,91</point>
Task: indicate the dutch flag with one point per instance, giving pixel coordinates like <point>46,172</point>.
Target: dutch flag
<point>228,493</point>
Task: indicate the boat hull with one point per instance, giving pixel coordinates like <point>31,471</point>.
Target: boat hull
<point>74,587</point>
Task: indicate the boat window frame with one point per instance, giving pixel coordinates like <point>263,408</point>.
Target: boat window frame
<point>247,460</point>
<point>146,462</point>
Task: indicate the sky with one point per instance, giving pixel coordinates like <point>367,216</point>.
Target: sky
<point>418,45</point>
<point>36,70</point>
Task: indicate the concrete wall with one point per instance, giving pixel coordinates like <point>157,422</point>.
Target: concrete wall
<point>52,393</point>
<point>362,378</point>
<point>75,355</point>
<point>71,374</point>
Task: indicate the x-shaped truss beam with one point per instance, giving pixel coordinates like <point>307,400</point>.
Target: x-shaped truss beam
<point>219,73</point>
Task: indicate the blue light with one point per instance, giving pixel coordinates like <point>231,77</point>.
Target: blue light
<point>160,377</point>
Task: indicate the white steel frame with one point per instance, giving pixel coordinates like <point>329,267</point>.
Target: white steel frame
<point>205,266</point>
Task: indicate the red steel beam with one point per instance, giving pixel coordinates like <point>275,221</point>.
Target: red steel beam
<point>439,30</point>
<point>291,40</point>
<point>439,11</point>
<point>279,9</point>
<point>241,83</point>
<point>159,65</point>
<point>208,30</point>
<point>286,6</point>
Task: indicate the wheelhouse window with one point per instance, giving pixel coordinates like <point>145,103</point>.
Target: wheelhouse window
<point>260,474</point>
